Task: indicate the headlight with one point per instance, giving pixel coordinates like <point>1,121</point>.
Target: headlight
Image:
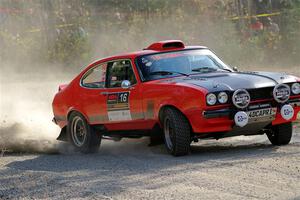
<point>296,88</point>
<point>211,99</point>
<point>222,97</point>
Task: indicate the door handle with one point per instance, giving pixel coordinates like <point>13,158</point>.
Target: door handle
<point>104,93</point>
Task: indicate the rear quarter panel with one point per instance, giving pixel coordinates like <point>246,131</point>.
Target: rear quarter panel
<point>61,104</point>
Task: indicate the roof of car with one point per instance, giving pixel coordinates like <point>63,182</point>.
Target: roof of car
<point>146,51</point>
<point>157,47</point>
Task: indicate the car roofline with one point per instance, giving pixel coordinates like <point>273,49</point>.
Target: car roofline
<point>135,54</point>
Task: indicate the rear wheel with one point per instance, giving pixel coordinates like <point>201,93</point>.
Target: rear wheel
<point>82,135</point>
<point>281,134</point>
<point>177,132</point>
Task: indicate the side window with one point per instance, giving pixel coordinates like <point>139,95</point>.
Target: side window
<point>119,71</point>
<point>95,77</point>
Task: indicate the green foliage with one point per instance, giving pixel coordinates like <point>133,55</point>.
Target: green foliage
<point>78,31</point>
<point>69,46</point>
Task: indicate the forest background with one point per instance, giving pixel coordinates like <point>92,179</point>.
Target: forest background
<point>71,34</point>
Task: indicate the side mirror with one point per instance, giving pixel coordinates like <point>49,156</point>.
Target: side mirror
<point>125,84</point>
<point>235,69</point>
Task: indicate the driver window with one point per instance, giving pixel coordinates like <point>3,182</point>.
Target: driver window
<point>119,71</point>
<point>95,77</point>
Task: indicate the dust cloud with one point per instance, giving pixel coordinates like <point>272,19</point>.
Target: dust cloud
<point>26,113</point>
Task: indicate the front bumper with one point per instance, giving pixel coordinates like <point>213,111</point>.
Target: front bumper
<point>222,120</point>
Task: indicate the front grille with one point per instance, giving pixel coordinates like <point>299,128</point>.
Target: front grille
<point>261,93</point>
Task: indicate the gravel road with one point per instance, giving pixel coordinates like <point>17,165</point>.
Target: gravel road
<point>235,168</point>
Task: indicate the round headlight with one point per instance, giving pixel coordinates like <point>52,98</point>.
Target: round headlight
<point>296,88</point>
<point>222,97</point>
<point>211,99</point>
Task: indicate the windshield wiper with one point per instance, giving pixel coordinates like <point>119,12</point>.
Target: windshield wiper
<point>163,73</point>
<point>229,70</point>
<point>204,69</point>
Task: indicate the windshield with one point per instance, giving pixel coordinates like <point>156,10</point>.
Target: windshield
<point>162,65</point>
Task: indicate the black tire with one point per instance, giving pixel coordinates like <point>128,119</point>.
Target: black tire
<point>177,132</point>
<point>81,135</point>
<point>281,134</point>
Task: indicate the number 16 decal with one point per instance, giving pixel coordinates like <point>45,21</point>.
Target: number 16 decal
<point>118,98</point>
<point>123,97</point>
<point>118,106</point>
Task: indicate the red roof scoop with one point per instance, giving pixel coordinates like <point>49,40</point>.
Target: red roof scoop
<point>166,45</point>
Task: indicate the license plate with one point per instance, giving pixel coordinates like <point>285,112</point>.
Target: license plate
<point>262,113</point>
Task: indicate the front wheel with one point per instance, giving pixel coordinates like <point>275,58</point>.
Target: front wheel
<point>281,134</point>
<point>82,135</point>
<point>177,132</point>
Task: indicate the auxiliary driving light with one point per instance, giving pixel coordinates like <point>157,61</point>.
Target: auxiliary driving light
<point>296,88</point>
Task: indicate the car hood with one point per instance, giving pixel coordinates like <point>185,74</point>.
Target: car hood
<point>231,81</point>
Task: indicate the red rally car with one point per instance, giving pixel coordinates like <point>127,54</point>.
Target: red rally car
<point>184,93</point>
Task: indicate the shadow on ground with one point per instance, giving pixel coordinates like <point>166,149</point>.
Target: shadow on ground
<point>135,159</point>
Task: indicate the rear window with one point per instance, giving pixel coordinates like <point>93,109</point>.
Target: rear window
<point>95,77</point>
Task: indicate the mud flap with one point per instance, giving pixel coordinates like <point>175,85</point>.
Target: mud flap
<point>156,136</point>
<point>63,134</point>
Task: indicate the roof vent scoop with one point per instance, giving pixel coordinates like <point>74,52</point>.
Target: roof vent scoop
<point>166,45</point>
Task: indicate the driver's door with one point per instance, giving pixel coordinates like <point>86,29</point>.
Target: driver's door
<point>124,105</point>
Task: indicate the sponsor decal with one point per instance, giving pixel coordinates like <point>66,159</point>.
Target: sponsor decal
<point>165,56</point>
<point>118,106</point>
<point>262,115</point>
<point>241,98</point>
<point>112,97</point>
<point>241,119</point>
<point>281,93</point>
<point>287,112</point>
<point>262,112</point>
